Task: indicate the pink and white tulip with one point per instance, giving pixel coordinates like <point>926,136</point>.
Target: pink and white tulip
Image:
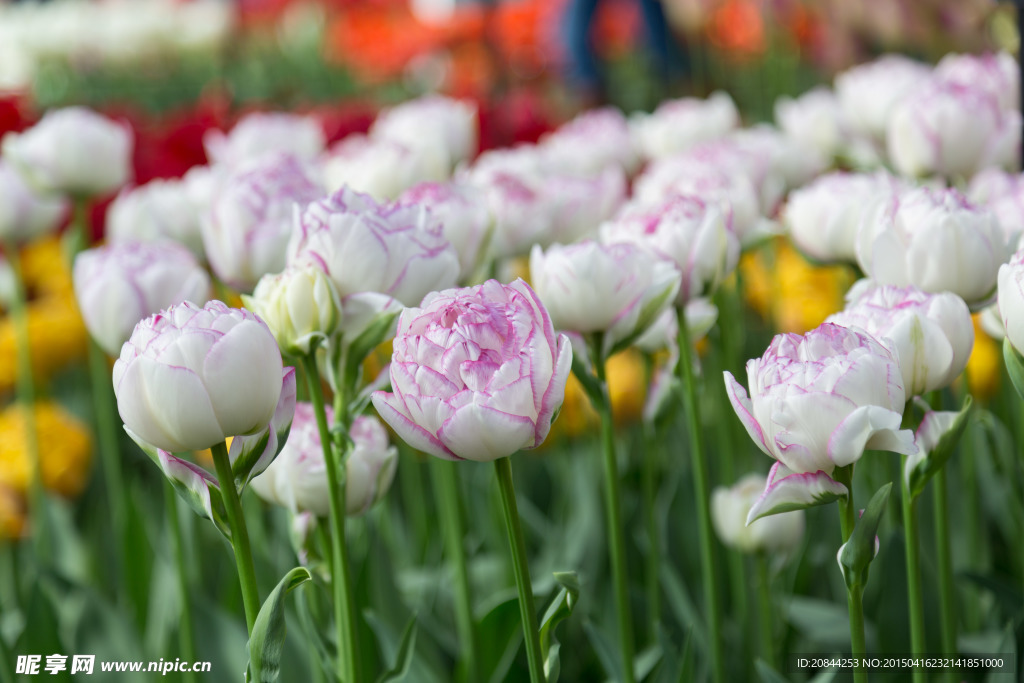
<point>617,290</point>
<point>382,168</point>
<point>730,506</point>
<point>261,133</point>
<point>995,73</point>
<point>816,402</point>
<point>677,125</point>
<point>590,143</point>
<point>935,240</point>
<point>932,334</point>
<point>477,373</point>
<point>868,93</point>
<point>1011,299</point>
<point>120,284</point>
<point>1003,193</point>
<point>462,212</point>
<point>158,210</point>
<point>297,478</point>
<point>250,221</point>
<point>73,151</point>
<point>442,130</point>
<point>190,377</point>
<point>25,214</point>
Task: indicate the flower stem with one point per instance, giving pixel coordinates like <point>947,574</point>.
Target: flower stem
<point>947,603</point>
<point>186,639</point>
<point>765,611</point>
<point>26,393</point>
<point>77,237</point>
<point>110,453</point>
<point>239,534</point>
<point>521,568</point>
<point>855,594</point>
<point>652,561</point>
<point>344,605</point>
<point>446,487</point>
<point>915,601</point>
<point>616,534</point>
<point>702,496</point>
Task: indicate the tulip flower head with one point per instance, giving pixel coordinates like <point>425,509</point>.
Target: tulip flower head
<point>816,402</point>
<point>477,373</point>
<point>261,133</point>
<point>297,478</point>
<point>189,377</point>
<point>932,334</point>
<point>25,214</point>
<point>118,285</point>
<point>299,305</point>
<point>730,506</point>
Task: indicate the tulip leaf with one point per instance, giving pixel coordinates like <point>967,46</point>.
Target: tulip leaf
<point>559,610</point>
<point>648,316</point>
<point>268,633</point>
<point>1014,366</point>
<point>377,332</point>
<point>767,674</point>
<point>403,658</point>
<point>928,461</point>
<point>856,554</point>
<point>251,455</point>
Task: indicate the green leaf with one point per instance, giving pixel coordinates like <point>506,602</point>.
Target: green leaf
<point>610,658</point>
<point>856,554</point>
<point>1014,366</point>
<point>767,673</point>
<point>559,609</point>
<point>1008,649</point>
<point>648,315</point>
<point>821,621</point>
<point>403,658</point>
<point>370,338</point>
<point>924,465</point>
<point>267,639</point>
<point>590,383</point>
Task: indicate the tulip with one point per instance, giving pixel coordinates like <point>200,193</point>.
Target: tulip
<point>617,290</point>
<point>815,120</point>
<point>118,285</point>
<point>590,143</point>
<point>250,220</point>
<point>779,533</point>
<point>24,213</point>
<point>677,125</point>
<point>477,373</point>
<point>734,193</point>
<point>824,216</point>
<point>932,334</point>
<point>261,133</point>
<point>933,239</point>
<point>952,130</point>
<point>297,478</point>
<point>868,92</point>
<point>158,210</point>
<point>1011,299</point>
<point>299,305</point>
<point>816,403</point>
<point>463,215</point>
<point>773,161</point>
<point>695,236</point>
<point>996,74</point>
<point>1003,193</point>
<point>382,168</point>
<point>72,151</point>
<point>190,377</point>
<point>442,130</point>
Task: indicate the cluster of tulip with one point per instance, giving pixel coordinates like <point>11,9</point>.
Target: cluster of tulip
<point>630,226</point>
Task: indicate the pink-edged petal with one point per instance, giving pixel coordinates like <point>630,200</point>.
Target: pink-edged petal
<point>555,393</point>
<point>245,397</point>
<point>178,407</point>
<point>476,432</point>
<point>389,407</point>
<point>786,492</point>
<point>869,427</point>
<point>745,411</point>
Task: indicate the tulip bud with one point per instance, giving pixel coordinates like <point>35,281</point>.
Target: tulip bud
<point>868,92</point>
<point>779,533</point>
<point>381,168</point>
<point>24,213</point>
<point>441,130</point>
<point>300,306</point>
<point>158,210</point>
<point>677,125</point>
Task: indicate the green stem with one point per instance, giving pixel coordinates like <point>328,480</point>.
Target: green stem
<point>854,595</point>
<point>453,524</point>
<point>652,561</point>
<point>26,391</point>
<point>947,602</point>
<point>616,534</point>
<point>702,496</point>
<point>765,611</point>
<point>77,237</point>
<point>186,638</point>
<point>344,604</point>
<point>239,535</point>
<point>521,568</point>
<point>915,601</point>
<point>110,454</point>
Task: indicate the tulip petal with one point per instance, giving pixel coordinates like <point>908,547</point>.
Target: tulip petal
<point>176,413</point>
<point>245,396</point>
<point>786,492</point>
<point>745,411</point>
<point>555,393</point>
<point>389,407</point>
<point>869,427</point>
<point>477,432</point>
